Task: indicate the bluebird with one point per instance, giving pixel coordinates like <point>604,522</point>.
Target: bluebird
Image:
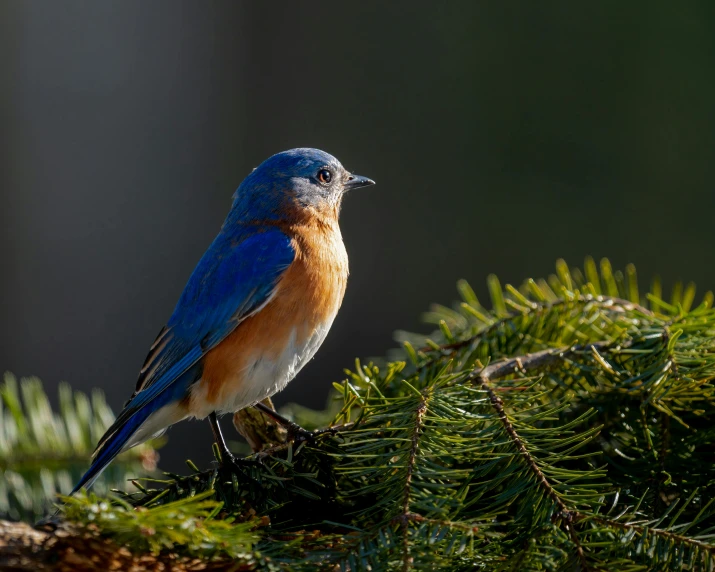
<point>255,310</point>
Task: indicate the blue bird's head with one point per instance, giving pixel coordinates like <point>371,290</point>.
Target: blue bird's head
<point>300,179</point>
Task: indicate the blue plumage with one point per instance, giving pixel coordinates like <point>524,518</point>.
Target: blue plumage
<point>235,277</point>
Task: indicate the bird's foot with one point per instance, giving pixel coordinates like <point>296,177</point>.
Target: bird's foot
<point>228,460</point>
<point>49,523</point>
<point>299,435</point>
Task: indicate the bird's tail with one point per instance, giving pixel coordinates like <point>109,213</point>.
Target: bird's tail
<point>147,415</point>
<point>116,439</point>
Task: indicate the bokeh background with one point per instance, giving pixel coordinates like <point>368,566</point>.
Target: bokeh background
<point>502,135</point>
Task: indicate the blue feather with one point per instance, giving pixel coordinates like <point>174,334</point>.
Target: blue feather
<point>236,276</point>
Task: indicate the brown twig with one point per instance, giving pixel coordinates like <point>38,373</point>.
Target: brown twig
<point>270,451</point>
<point>414,517</point>
<point>522,364</point>
<point>662,452</point>
<point>419,425</point>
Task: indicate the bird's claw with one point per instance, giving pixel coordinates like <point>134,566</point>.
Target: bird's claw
<point>49,523</point>
<point>299,435</point>
<point>231,461</point>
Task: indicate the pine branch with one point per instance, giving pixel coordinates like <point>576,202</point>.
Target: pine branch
<point>570,427</point>
<point>536,309</point>
<point>405,517</point>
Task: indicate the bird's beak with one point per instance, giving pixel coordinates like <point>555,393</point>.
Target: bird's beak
<point>356,181</point>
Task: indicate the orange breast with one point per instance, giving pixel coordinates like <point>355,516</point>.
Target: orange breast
<point>307,298</point>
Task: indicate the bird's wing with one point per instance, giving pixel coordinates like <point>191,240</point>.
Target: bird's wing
<point>228,285</point>
<point>231,282</point>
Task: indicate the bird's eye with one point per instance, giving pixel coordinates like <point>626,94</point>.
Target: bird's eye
<point>325,176</point>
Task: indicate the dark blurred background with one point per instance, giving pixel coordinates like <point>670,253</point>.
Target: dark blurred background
<point>502,136</point>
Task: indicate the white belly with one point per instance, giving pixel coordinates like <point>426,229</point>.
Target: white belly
<point>262,376</point>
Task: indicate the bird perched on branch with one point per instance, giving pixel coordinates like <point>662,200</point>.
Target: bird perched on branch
<point>255,310</point>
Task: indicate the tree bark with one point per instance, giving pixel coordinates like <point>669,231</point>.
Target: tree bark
<point>69,549</point>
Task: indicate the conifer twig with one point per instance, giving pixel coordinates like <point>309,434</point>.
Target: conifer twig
<point>537,309</point>
<point>536,360</point>
<point>662,452</point>
<point>679,538</point>
<point>419,426</point>
<point>564,513</point>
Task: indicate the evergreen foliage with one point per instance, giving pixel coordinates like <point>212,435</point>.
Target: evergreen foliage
<point>43,453</point>
<point>189,524</point>
<point>568,428</point>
